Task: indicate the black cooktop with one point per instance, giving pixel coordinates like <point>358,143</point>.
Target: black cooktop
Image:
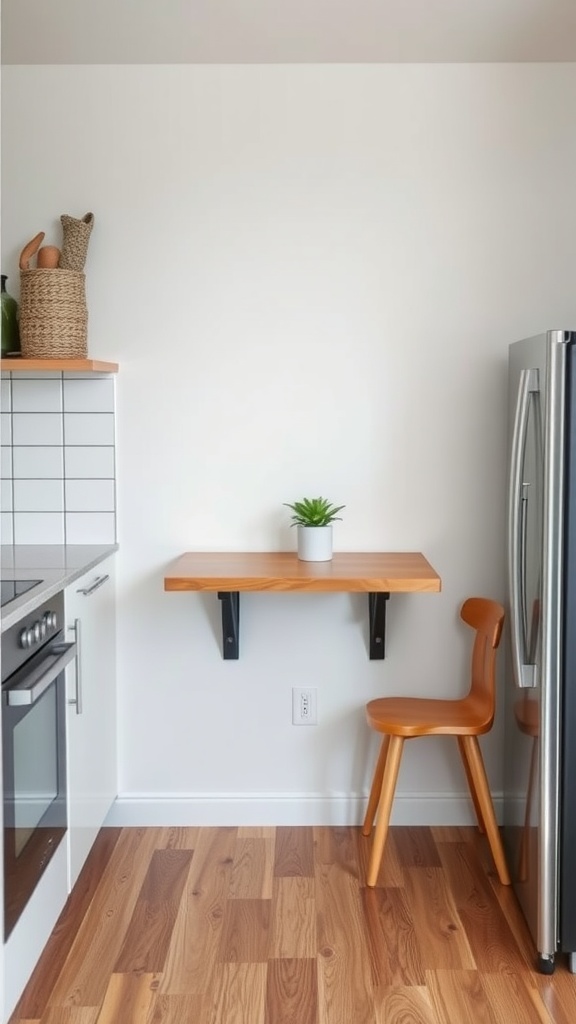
<point>12,589</point>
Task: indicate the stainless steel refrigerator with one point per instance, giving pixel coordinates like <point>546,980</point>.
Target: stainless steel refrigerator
<point>539,815</point>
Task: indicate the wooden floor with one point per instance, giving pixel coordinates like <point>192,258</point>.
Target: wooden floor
<point>276,926</point>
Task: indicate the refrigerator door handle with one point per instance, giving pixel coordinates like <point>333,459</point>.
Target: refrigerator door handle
<point>522,540</point>
<point>524,673</point>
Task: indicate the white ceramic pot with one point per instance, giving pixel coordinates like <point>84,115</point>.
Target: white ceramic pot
<point>314,543</point>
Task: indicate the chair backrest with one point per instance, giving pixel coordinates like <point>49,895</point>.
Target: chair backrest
<point>486,617</point>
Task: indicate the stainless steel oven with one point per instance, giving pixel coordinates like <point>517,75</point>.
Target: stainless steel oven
<point>34,656</point>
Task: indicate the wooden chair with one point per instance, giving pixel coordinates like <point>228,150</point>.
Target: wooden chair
<point>402,718</point>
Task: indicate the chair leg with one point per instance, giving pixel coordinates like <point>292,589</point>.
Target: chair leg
<point>384,807</point>
<point>375,788</point>
<point>463,755</point>
<point>480,786</point>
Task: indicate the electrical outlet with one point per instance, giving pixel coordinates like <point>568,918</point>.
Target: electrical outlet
<point>304,705</point>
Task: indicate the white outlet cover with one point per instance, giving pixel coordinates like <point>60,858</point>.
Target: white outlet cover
<point>304,705</point>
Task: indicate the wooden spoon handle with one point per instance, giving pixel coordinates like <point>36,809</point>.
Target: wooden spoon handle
<point>29,250</point>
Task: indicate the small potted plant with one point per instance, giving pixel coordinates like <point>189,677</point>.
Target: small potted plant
<point>314,518</point>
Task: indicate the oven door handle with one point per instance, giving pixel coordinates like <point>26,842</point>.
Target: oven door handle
<point>41,677</point>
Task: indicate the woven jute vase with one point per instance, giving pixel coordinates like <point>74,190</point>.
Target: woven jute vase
<point>53,314</point>
<point>75,237</point>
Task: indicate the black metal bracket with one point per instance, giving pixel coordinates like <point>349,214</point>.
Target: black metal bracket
<point>377,612</point>
<point>230,624</point>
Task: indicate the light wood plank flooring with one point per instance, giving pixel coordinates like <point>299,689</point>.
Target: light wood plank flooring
<point>276,926</point>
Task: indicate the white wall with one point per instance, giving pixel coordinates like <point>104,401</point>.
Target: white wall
<point>310,276</point>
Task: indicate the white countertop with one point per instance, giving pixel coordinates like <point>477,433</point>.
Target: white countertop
<point>57,565</point>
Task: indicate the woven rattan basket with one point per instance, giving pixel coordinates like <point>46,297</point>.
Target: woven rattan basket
<point>53,314</point>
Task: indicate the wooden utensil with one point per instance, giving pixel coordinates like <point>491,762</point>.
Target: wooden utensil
<point>30,250</point>
<point>48,257</point>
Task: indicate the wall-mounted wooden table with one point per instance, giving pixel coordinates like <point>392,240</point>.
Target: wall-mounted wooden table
<point>377,574</point>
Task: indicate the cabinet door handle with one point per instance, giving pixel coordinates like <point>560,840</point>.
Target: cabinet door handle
<point>98,582</point>
<point>77,699</point>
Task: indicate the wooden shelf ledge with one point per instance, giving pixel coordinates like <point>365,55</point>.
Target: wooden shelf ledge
<point>61,365</point>
<point>378,574</point>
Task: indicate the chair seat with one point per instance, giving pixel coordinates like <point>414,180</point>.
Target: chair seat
<point>420,716</point>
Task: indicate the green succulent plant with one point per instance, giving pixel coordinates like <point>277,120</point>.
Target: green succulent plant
<point>314,512</point>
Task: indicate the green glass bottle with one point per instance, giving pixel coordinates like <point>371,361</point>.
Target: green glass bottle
<point>10,331</point>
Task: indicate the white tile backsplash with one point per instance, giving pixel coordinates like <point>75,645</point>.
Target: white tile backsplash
<point>38,495</point>
<point>41,375</point>
<point>100,527</point>
<point>6,463</point>
<point>37,396</point>
<point>5,396</point>
<point>58,459</point>
<point>86,461</point>
<point>90,495</point>
<point>94,395</point>
<point>37,428</point>
<point>5,428</point>
<point>6,496</point>
<point>87,428</point>
<point>6,528</point>
<point>39,528</point>
<point>42,463</point>
<point>85,375</point>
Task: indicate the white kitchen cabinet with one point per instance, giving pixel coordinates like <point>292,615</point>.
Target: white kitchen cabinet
<point>24,946</point>
<point>91,724</point>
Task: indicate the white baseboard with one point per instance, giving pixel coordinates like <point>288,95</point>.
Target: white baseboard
<point>221,809</point>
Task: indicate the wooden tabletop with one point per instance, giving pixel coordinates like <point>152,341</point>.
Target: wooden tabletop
<point>392,572</point>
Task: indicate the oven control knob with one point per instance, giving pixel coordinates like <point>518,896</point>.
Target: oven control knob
<point>49,620</point>
<point>37,628</point>
<point>26,638</point>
